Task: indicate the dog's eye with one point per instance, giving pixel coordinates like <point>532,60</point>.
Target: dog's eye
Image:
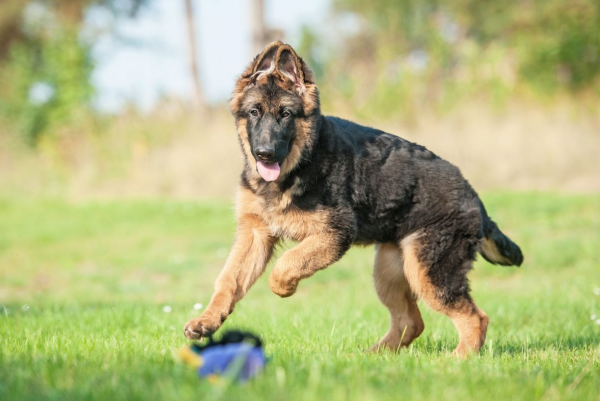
<point>285,114</point>
<point>254,112</point>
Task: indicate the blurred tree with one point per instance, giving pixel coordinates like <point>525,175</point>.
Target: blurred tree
<point>11,12</point>
<point>70,12</point>
<point>424,52</point>
<point>199,98</point>
<point>261,33</point>
<point>308,48</point>
<point>557,42</point>
<point>258,26</point>
<point>46,64</point>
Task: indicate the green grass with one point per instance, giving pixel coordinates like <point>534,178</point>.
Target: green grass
<point>83,286</point>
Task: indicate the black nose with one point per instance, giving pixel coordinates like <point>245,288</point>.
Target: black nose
<point>265,153</point>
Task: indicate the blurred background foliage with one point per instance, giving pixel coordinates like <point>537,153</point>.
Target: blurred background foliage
<point>433,53</point>
<point>46,63</point>
<point>409,66</point>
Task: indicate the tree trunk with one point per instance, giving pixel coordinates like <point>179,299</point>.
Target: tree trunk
<point>259,28</point>
<point>199,100</point>
<point>11,24</point>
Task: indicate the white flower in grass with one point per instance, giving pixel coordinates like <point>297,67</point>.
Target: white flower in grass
<point>593,317</point>
<point>597,291</point>
<point>25,308</point>
<point>167,309</point>
<point>198,306</point>
<point>597,321</point>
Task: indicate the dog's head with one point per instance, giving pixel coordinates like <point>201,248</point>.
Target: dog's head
<point>275,103</point>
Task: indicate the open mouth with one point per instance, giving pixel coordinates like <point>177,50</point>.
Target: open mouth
<point>268,171</point>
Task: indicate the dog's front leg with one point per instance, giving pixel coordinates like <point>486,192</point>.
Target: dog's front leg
<point>247,261</point>
<point>314,253</point>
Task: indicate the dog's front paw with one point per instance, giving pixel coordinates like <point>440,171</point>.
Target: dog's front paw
<point>281,285</point>
<point>202,327</point>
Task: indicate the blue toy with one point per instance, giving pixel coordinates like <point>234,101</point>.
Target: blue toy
<point>238,356</point>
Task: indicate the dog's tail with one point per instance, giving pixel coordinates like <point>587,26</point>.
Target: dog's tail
<point>497,248</point>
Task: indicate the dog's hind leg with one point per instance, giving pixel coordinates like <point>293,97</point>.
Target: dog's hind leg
<point>437,274</point>
<point>394,292</point>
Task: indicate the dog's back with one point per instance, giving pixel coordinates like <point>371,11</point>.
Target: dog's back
<point>397,187</point>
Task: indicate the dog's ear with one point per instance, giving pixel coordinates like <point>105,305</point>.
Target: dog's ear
<point>266,60</point>
<point>291,67</point>
<point>282,61</point>
<point>259,66</point>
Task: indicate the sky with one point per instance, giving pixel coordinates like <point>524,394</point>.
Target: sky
<point>146,57</point>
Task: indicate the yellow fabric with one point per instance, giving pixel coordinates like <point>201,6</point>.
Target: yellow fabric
<point>189,357</point>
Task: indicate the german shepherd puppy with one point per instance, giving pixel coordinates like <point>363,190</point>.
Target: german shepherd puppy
<point>329,183</point>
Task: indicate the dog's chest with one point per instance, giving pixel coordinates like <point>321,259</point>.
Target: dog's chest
<point>286,220</point>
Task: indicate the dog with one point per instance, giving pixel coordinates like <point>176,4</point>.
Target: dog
<point>328,183</point>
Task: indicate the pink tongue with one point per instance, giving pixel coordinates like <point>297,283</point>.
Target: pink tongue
<point>268,171</point>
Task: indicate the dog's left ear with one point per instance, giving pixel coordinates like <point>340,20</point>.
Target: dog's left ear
<point>291,67</point>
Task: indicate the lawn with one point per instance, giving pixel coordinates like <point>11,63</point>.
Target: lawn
<point>84,286</point>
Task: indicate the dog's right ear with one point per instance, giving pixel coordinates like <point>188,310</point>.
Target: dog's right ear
<point>265,62</point>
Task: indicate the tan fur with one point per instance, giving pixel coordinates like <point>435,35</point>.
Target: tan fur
<point>261,221</point>
<point>249,256</point>
<point>303,140</point>
<point>314,253</point>
<point>243,134</point>
<point>317,248</point>
<point>470,321</point>
<point>490,250</point>
<point>283,218</point>
<point>394,292</point>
